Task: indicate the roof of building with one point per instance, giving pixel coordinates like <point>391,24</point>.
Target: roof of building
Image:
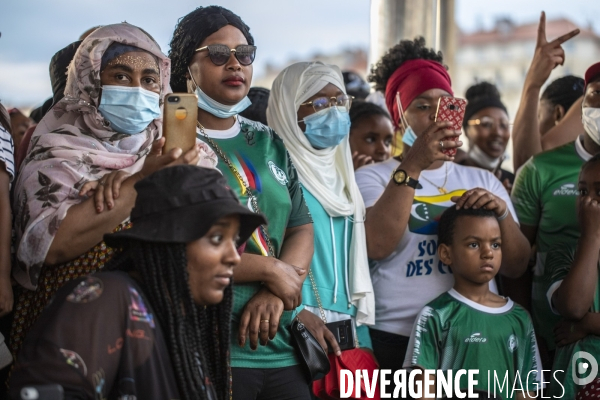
<point>506,31</point>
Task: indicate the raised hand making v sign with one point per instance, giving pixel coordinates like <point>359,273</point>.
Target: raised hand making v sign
<point>547,56</point>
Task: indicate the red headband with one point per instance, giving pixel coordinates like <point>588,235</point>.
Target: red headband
<point>411,79</point>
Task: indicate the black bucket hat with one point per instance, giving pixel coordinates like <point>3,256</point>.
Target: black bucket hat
<point>179,205</point>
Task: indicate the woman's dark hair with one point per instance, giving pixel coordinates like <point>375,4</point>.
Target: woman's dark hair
<point>397,55</point>
<point>479,96</point>
<point>194,334</point>
<point>564,91</point>
<point>361,108</point>
<point>258,109</point>
<point>449,217</point>
<point>355,85</point>
<point>482,90</point>
<point>192,30</point>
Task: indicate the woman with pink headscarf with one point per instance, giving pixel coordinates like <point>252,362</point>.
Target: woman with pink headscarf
<point>101,138</point>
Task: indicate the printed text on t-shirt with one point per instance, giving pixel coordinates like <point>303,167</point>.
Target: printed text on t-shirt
<point>426,261</point>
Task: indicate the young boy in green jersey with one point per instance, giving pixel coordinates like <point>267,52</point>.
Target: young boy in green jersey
<point>573,294</point>
<point>469,327</point>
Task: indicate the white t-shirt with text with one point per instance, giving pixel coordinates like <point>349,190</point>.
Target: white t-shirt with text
<point>413,274</point>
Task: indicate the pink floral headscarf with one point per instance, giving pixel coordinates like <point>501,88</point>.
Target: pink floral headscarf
<point>73,144</point>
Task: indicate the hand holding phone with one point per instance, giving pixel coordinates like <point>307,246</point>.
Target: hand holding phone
<point>344,333</point>
<point>451,109</point>
<point>179,121</point>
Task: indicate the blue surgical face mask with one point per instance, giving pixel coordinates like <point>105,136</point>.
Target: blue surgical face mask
<point>129,109</point>
<point>327,128</point>
<point>409,136</point>
<point>217,109</point>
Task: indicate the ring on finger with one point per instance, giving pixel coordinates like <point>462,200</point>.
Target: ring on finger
<point>442,144</point>
<point>264,320</point>
<point>101,183</point>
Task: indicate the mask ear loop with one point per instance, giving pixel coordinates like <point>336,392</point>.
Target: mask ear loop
<point>403,120</point>
<point>159,64</point>
<point>401,112</point>
<point>192,79</point>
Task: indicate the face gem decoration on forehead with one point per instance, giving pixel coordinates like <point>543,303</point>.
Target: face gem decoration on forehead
<point>136,62</point>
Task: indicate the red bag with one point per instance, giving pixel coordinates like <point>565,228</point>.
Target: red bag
<point>328,388</point>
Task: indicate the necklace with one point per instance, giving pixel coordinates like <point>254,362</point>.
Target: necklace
<point>442,189</point>
<point>238,176</point>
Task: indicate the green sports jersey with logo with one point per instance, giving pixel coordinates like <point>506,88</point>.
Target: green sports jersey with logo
<point>453,332</point>
<point>544,195</point>
<point>558,265</point>
<point>261,159</point>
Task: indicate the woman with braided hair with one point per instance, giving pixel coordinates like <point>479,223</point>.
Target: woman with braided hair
<point>157,325</point>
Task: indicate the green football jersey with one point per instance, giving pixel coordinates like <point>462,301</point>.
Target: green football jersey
<point>544,195</point>
<point>262,161</point>
<point>453,332</point>
<point>558,265</point>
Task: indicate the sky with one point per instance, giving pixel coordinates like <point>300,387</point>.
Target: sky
<point>33,30</point>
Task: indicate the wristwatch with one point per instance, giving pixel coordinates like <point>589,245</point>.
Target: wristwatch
<point>400,177</point>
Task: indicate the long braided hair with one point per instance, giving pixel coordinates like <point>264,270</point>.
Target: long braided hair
<point>197,337</point>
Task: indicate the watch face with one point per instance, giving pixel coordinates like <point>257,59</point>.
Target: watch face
<point>400,176</point>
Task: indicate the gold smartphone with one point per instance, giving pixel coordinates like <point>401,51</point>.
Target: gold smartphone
<point>179,121</point>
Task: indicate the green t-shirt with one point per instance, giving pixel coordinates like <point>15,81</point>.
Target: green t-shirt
<point>262,160</point>
<point>557,267</point>
<point>453,332</point>
<point>544,195</point>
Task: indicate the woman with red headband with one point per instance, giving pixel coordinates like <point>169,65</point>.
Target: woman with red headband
<point>406,195</point>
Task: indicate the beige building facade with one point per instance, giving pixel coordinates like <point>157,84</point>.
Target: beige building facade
<point>503,54</point>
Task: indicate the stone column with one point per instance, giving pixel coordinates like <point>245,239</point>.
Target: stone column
<point>395,20</point>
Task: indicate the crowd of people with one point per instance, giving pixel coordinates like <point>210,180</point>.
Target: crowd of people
<point>128,271</point>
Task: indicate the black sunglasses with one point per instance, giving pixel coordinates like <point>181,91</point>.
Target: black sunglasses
<point>219,53</point>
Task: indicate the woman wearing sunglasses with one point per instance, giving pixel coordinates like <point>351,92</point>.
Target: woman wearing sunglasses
<point>309,108</point>
<point>488,130</point>
<point>212,52</point>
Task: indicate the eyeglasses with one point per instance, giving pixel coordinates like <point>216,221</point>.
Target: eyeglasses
<point>219,53</point>
<point>321,103</point>
<point>490,123</point>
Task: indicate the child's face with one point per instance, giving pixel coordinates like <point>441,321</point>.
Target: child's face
<point>211,260</point>
<point>372,136</point>
<point>589,181</point>
<point>475,254</point>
